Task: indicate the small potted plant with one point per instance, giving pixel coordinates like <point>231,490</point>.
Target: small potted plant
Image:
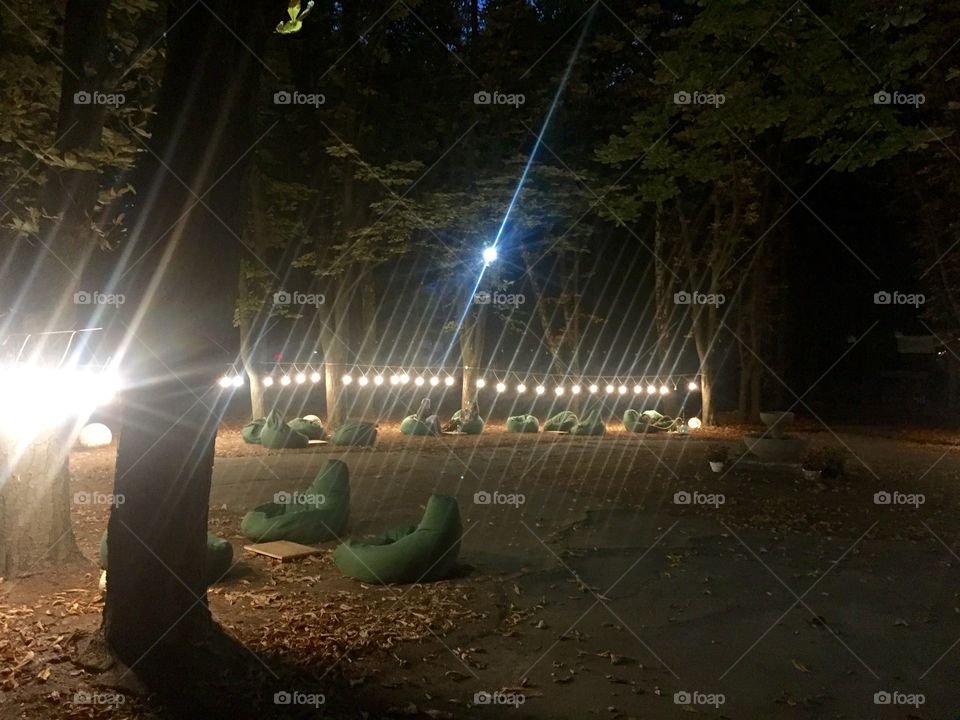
<point>717,456</point>
<point>811,464</point>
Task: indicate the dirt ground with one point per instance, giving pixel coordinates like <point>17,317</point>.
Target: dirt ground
<point>599,596</point>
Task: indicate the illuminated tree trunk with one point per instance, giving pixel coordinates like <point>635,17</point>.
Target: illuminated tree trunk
<point>182,299</point>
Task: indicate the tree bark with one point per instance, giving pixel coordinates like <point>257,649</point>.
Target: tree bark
<point>184,299</point>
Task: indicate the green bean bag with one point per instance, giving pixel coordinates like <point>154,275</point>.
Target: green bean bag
<point>423,553</point>
<point>219,556</point>
<point>355,432</point>
<point>412,425</point>
<point>313,429</point>
<point>523,424</point>
<point>318,513</point>
<point>470,427</point>
<point>649,421</point>
<point>591,425</point>
<point>277,435</point>
<point>561,422</point>
<point>251,431</point>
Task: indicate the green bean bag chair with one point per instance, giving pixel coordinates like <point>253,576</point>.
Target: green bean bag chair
<point>561,422</point>
<point>318,513</point>
<point>277,435</point>
<point>591,425</point>
<point>649,421</point>
<point>219,556</point>
<point>355,432</point>
<point>470,427</point>
<point>251,431</point>
<point>313,429</point>
<point>412,425</point>
<point>523,424</point>
<point>422,553</point>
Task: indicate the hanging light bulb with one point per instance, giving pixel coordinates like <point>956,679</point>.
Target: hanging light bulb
<point>300,378</point>
<point>481,383</point>
<point>434,381</point>
<point>224,382</point>
<point>651,389</point>
<point>521,388</point>
<point>419,382</point>
<point>285,380</point>
<point>610,389</point>
<point>268,381</point>
<point>501,387</point>
<point>559,390</point>
<point>315,377</point>
<point>622,389</point>
<point>448,381</point>
<point>347,379</point>
<point>664,390</point>
<point>540,389</point>
<point>363,380</point>
<point>575,389</point>
<point>637,389</point>
<point>404,379</point>
<point>237,381</point>
<point>692,387</point>
<point>378,379</point>
<point>593,389</point>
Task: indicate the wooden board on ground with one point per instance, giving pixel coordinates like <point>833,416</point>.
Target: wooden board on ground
<point>283,550</point>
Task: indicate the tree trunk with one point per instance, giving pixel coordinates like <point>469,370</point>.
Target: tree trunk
<point>471,351</point>
<point>184,299</point>
<point>35,503</point>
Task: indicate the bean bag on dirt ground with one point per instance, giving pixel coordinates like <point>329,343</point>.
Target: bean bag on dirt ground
<point>219,556</point>
<point>423,553</point>
<point>649,421</point>
<point>523,424</point>
<point>355,432</point>
<point>277,435</point>
<point>473,426</point>
<point>561,422</point>
<point>591,425</point>
<point>318,513</point>
<point>412,425</point>
<point>251,431</point>
<point>313,429</point>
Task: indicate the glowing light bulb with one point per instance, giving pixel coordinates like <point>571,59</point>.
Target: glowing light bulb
<point>610,389</point>
<point>559,390</point>
<point>363,381</point>
<point>347,379</point>
<point>540,390</point>
<point>394,379</point>
<point>315,377</point>
<point>448,381</point>
<point>575,389</point>
<point>268,381</point>
<point>481,383</point>
<point>692,387</point>
<point>521,388</point>
<point>490,254</point>
<point>501,387</point>
<point>622,389</point>
<point>225,382</point>
<point>300,378</point>
<point>695,423</point>
<point>651,390</point>
<point>637,389</point>
<point>237,381</point>
<point>434,381</point>
<point>593,389</point>
<point>664,390</point>
<point>378,379</point>
<point>419,382</point>
<point>285,380</point>
<point>404,379</point>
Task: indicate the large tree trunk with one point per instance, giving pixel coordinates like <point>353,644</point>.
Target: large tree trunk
<point>471,351</point>
<point>35,503</point>
<point>184,300</point>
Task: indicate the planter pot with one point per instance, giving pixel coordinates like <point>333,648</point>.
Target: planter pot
<point>811,474</point>
<point>717,466</point>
